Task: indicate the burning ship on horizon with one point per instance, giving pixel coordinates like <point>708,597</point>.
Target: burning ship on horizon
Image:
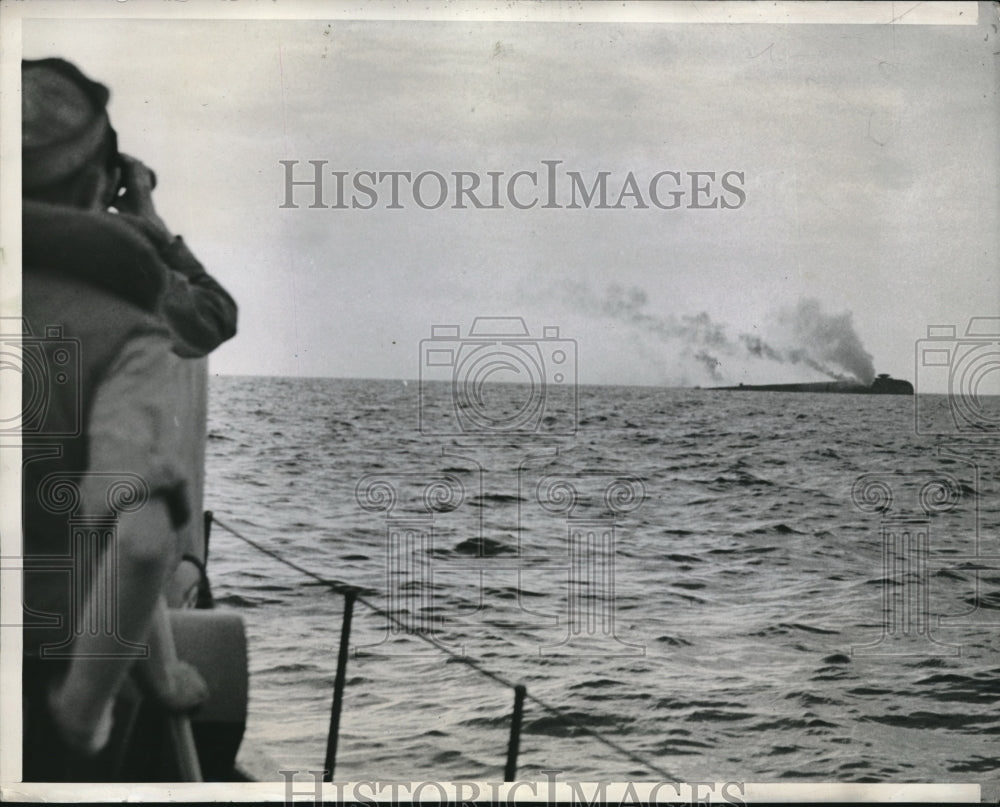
<point>883,384</point>
<point>804,336</point>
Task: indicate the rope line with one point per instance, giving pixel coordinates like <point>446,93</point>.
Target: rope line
<point>342,588</point>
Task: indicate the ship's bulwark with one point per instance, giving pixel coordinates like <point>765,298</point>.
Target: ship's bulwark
<point>883,385</point>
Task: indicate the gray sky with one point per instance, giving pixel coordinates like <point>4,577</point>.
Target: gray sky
<point>869,156</point>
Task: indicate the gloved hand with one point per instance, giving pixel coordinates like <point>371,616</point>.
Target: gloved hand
<point>138,180</point>
<point>178,687</point>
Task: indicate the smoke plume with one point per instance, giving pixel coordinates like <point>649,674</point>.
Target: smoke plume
<point>829,339</point>
<point>826,343</point>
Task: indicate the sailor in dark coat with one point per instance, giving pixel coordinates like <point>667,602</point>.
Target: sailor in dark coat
<point>110,300</point>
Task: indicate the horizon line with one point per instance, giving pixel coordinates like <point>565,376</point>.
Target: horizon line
<point>409,380</point>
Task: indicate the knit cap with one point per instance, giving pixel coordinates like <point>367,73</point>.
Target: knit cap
<point>64,121</point>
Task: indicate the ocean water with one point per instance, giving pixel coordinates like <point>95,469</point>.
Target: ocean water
<point>717,582</point>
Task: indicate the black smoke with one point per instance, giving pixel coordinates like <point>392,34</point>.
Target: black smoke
<point>826,343</point>
<point>828,339</point>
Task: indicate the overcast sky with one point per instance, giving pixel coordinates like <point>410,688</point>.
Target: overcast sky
<point>868,154</point>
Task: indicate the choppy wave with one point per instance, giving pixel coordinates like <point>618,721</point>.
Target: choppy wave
<point>749,637</point>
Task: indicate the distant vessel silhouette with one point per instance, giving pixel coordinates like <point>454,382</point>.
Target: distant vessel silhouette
<point>884,384</point>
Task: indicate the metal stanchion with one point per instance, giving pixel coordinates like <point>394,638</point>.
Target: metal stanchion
<point>338,687</point>
<point>514,744</point>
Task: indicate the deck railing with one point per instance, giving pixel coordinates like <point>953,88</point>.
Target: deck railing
<point>353,595</point>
